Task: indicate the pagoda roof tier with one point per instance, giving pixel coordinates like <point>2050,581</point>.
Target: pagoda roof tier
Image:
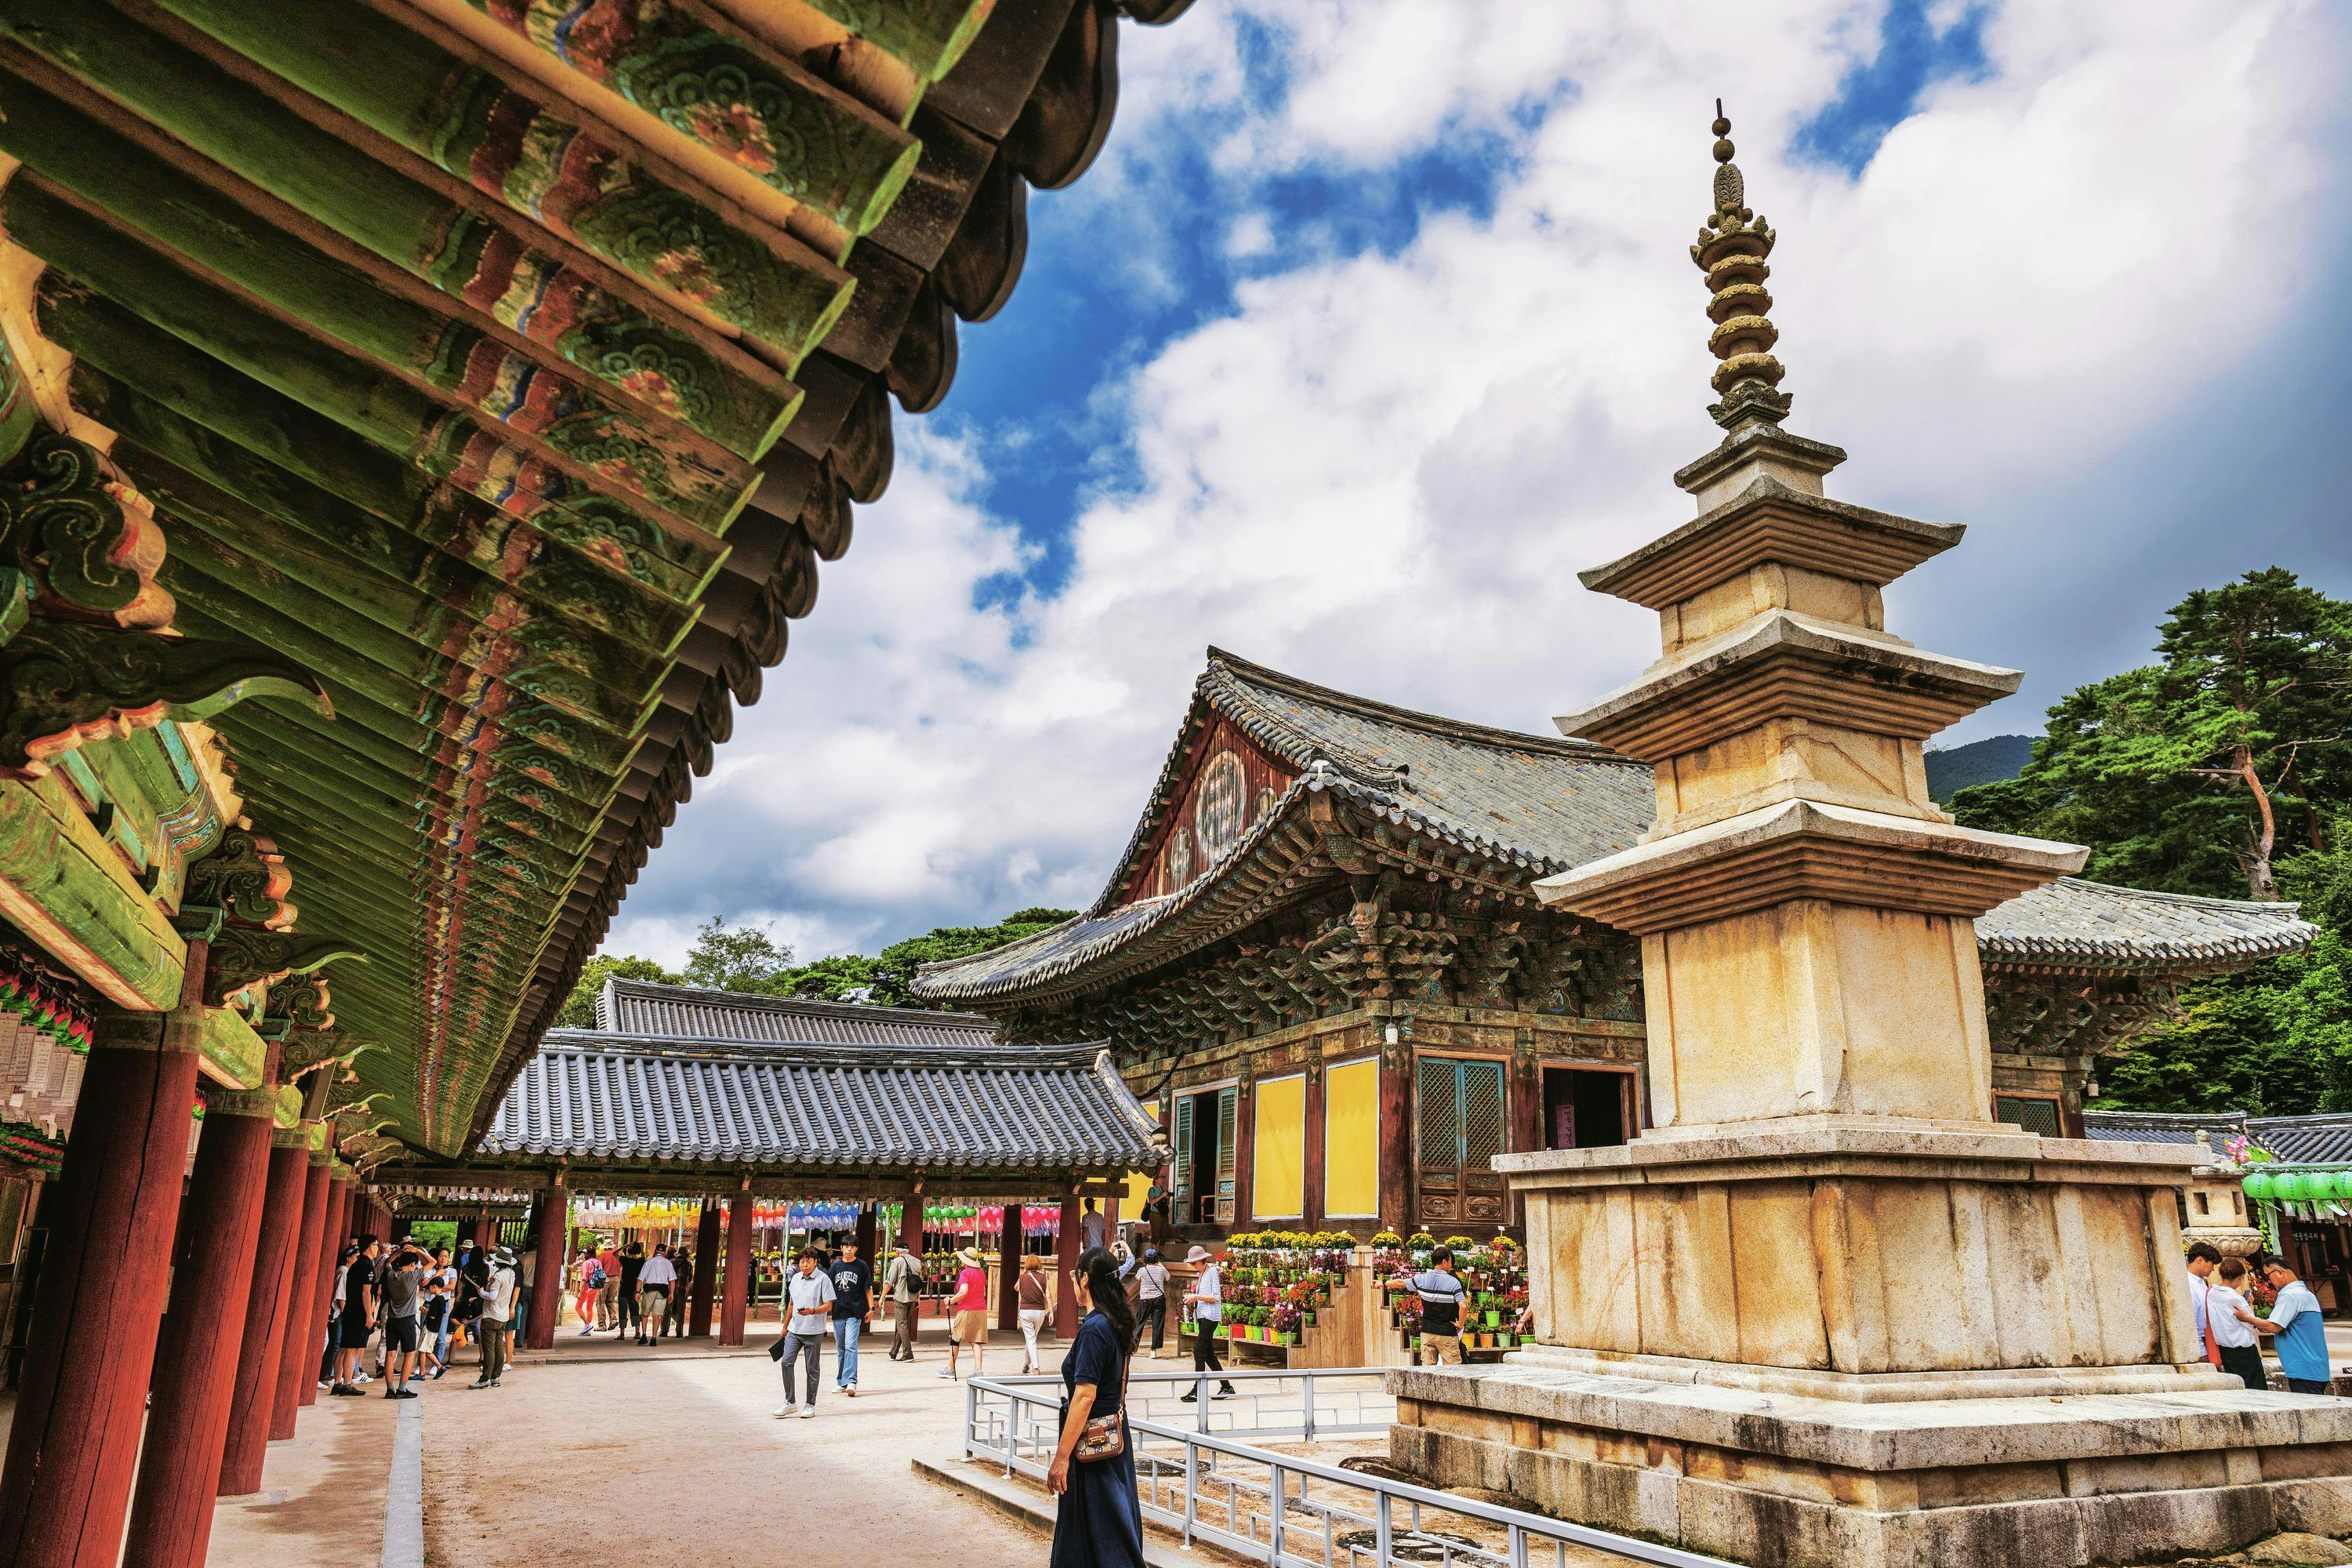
<point>1431,796</point>
<point>1808,849</point>
<point>1784,665</point>
<point>620,1100</point>
<point>1770,520</point>
<point>512,383</point>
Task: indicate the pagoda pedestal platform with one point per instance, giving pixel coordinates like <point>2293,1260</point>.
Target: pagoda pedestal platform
<point>1841,1342</point>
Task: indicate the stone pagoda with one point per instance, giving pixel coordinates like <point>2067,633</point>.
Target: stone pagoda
<point>1827,1310</point>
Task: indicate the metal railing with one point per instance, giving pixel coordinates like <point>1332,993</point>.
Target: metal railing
<point>1286,1510</point>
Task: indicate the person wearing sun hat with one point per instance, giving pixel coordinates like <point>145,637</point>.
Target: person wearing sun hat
<point>968,1319</point>
<point>1207,1302</point>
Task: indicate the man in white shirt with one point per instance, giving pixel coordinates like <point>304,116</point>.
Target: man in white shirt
<point>808,1312</point>
<point>655,1280</point>
<point>2204,1258</point>
<point>2233,1324</point>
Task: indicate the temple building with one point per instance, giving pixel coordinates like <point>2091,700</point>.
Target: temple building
<point>1321,961</point>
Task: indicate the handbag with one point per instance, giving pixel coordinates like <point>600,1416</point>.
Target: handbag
<point>1105,1436</point>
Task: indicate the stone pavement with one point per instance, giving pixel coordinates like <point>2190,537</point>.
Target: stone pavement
<point>600,1451</point>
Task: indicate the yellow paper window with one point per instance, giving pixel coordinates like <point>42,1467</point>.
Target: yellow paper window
<point>1278,1161</point>
<point>1138,1183</point>
<point>1351,1140</point>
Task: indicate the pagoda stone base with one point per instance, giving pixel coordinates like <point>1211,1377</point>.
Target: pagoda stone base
<point>1864,1260</point>
<point>1787,1481</point>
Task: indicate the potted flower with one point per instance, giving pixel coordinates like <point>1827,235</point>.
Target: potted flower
<point>1284,1321</point>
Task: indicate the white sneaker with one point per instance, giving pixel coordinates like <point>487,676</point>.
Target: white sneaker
<point>948,1372</point>
<point>782,1411</point>
<point>807,1411</point>
<point>360,1377</point>
<point>850,1393</point>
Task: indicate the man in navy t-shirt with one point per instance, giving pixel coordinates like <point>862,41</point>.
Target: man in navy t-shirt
<point>853,1283</point>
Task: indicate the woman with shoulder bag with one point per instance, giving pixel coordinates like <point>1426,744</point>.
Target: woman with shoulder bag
<point>1100,1522</point>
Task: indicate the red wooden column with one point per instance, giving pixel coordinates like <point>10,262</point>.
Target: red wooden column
<point>547,1288</point>
<point>1008,1284</point>
<point>910,1236</point>
<point>1066,1259</point>
<point>66,1486</point>
<point>1310,1204</point>
<point>1396,1136</point>
<point>706,1270</point>
<point>268,1307</point>
<point>737,1305</point>
<point>197,1361</point>
<point>302,1334</point>
<point>1245,1152</point>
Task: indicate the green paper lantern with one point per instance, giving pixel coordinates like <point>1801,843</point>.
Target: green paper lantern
<point>2261,1185</point>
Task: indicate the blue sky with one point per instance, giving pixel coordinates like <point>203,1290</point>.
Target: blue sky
<point>1373,323</point>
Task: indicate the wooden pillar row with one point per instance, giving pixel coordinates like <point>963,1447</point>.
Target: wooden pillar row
<point>326,1220</point>
<point>65,1490</point>
<point>196,1363</point>
<point>278,1270</point>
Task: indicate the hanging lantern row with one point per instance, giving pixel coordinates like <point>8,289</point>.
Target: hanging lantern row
<point>27,1145</point>
<point>2304,1194</point>
<point>975,1220</point>
<point>42,1000</point>
<point>947,1219</point>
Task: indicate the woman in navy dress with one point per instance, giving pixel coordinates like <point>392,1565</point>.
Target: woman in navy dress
<point>1099,1522</point>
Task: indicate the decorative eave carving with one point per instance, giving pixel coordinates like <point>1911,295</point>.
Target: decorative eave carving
<point>86,538</point>
<point>64,684</point>
<point>244,956</point>
<point>247,877</point>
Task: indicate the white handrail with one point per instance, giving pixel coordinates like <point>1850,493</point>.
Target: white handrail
<point>1021,1436</point>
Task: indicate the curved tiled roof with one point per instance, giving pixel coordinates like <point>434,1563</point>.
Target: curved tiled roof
<point>1535,807</point>
<point>2072,923</point>
<point>694,1013</point>
<point>623,1099</point>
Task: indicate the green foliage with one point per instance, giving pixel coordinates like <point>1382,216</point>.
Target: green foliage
<point>578,1009</point>
<point>2182,775</point>
<point>737,958</point>
<point>748,958</point>
<point>2275,1040</point>
<point>2225,769</point>
<point>886,978</point>
<point>1994,758</point>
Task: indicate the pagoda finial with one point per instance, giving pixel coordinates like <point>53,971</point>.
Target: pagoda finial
<point>1731,249</point>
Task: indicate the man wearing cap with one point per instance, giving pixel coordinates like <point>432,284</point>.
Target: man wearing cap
<point>1207,1302</point>
<point>902,1282</point>
<point>498,1306</point>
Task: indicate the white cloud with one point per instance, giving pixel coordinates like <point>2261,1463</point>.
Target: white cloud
<point>1383,471</point>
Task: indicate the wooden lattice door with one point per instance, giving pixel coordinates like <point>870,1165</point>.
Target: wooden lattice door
<point>1459,1116</point>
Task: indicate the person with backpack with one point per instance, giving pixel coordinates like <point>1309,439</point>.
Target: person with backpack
<point>590,1272</point>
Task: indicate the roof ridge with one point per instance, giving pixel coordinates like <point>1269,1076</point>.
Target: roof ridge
<point>1412,718</point>
<point>2288,908</point>
<point>824,1006</point>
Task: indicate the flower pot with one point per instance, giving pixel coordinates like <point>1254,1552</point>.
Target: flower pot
<point>1495,1319</point>
<point>1307,1320</point>
<point>1416,1342</point>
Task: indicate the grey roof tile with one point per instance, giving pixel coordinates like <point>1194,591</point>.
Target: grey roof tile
<point>909,1102</point>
